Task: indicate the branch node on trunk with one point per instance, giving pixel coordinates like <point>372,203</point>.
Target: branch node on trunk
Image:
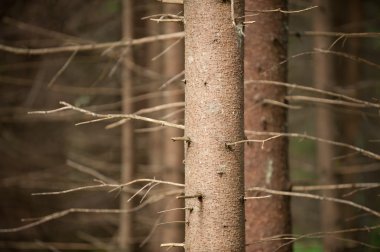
<point>199,196</point>
<point>184,138</point>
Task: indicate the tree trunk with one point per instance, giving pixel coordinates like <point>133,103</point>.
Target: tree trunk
<point>214,114</point>
<point>265,49</point>
<point>127,139</point>
<point>173,154</point>
<point>324,78</point>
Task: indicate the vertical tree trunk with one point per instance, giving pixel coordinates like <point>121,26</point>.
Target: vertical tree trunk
<point>214,116</point>
<point>173,154</point>
<point>127,138</point>
<point>349,129</point>
<point>324,78</point>
<point>265,49</point>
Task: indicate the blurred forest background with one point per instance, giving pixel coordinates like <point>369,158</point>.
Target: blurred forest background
<point>41,153</point>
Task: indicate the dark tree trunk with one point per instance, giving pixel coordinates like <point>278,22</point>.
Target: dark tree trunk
<point>265,49</point>
<point>324,78</point>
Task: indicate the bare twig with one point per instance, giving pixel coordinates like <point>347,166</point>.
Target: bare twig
<point>317,197</point>
<point>323,100</point>
<point>171,1</point>
<point>171,222</point>
<point>254,141</point>
<point>334,187</point>
<point>90,171</point>
<point>88,47</point>
<point>173,244</point>
<point>304,136</point>
<point>284,11</point>
<point>113,186</point>
<point>174,209</point>
<point>173,79</point>
<point>337,34</point>
<point>167,49</point>
<point>155,226</point>
<point>62,69</point>
<point>111,116</point>
<point>61,214</point>
<point>258,197</point>
<point>316,90</point>
<point>280,104</point>
<point>349,56</point>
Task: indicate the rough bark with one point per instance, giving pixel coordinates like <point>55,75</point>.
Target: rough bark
<point>324,78</point>
<point>127,138</point>
<point>214,116</point>
<point>265,49</point>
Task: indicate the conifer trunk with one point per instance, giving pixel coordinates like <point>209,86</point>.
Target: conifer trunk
<point>266,166</point>
<point>214,116</point>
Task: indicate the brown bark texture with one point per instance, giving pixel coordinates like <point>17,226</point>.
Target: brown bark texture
<point>324,78</point>
<point>214,116</point>
<point>127,134</point>
<point>265,49</point>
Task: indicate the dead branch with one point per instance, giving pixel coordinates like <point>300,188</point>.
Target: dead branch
<point>89,47</point>
<point>284,11</point>
<point>111,116</point>
<point>304,136</point>
<point>112,186</point>
<point>349,56</point>
<point>317,197</point>
<point>335,187</point>
<point>323,100</point>
<point>316,90</point>
<point>57,215</point>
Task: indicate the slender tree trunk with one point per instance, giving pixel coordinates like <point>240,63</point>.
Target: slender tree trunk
<point>173,154</point>
<point>324,78</point>
<point>265,49</point>
<point>127,139</point>
<point>214,114</point>
<point>350,131</point>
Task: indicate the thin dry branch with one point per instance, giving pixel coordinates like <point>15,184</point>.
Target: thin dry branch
<point>173,79</point>
<point>171,245</point>
<point>284,11</point>
<point>304,136</point>
<point>112,186</point>
<point>335,187</point>
<point>171,1</point>
<point>90,171</point>
<point>63,213</point>
<point>110,116</point>
<point>323,100</point>
<point>280,104</point>
<point>337,34</point>
<point>62,69</point>
<point>89,47</point>
<point>349,56</point>
<point>317,197</point>
<point>321,234</point>
<point>315,90</point>
<point>167,49</point>
<point>262,141</point>
<point>159,107</point>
